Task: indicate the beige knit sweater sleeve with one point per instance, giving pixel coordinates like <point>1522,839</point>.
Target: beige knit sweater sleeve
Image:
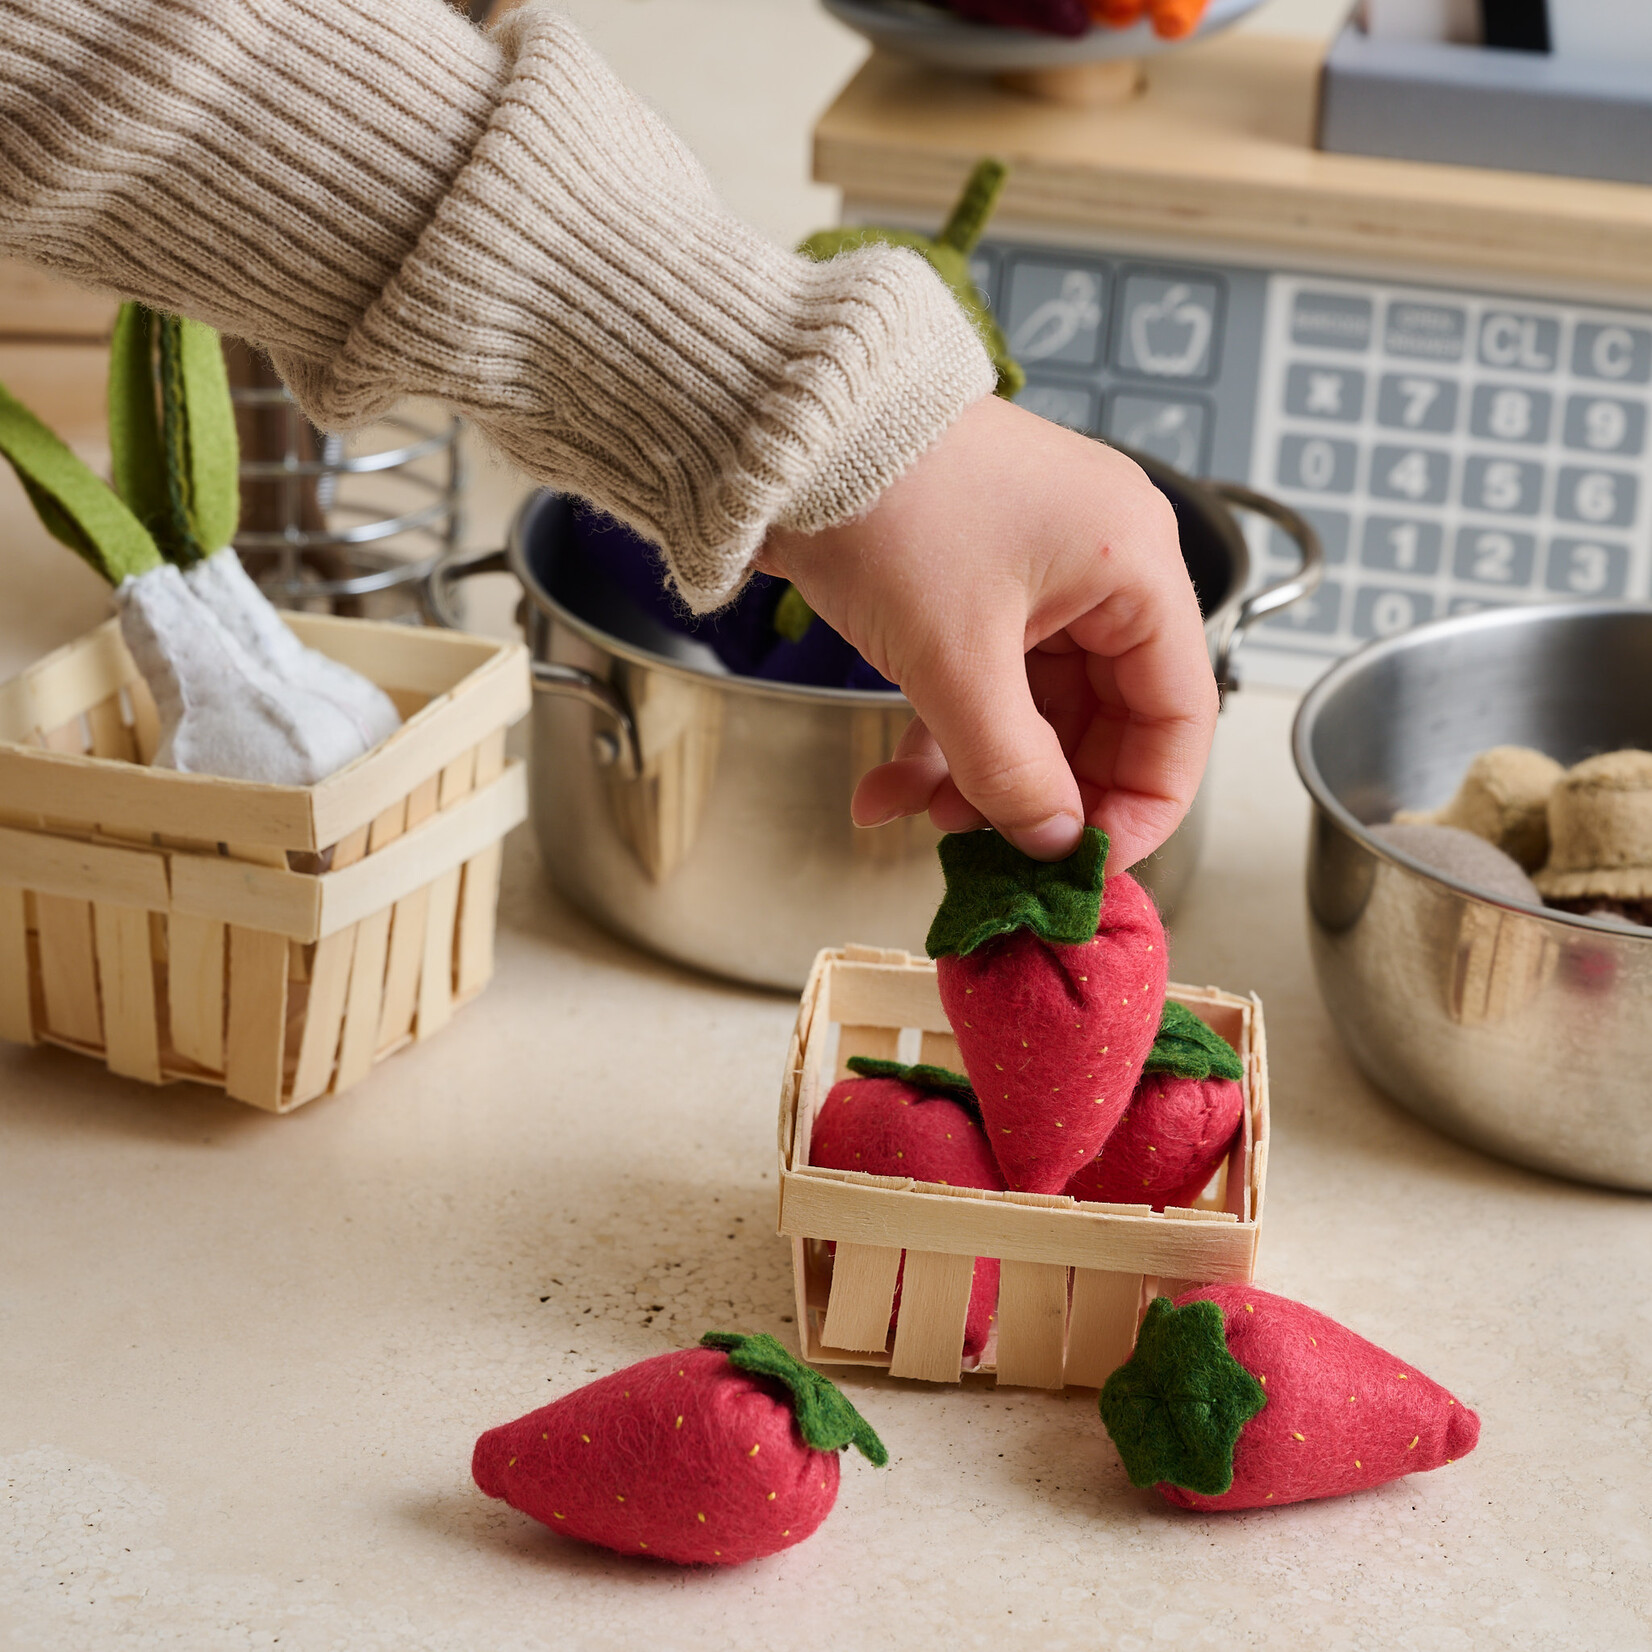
<point>392,203</point>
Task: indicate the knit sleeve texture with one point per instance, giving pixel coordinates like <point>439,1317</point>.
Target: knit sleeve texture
<point>392,203</point>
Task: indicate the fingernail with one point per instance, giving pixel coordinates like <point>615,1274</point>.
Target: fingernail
<point>880,820</point>
<point>1051,839</point>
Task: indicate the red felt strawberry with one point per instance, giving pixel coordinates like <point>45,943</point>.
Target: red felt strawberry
<point>1235,1398</point>
<point>1179,1124</point>
<point>716,1455</point>
<point>895,1120</point>
<point>1053,980</point>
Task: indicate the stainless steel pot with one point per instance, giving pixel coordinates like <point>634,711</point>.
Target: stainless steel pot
<point>1525,1032</point>
<point>705,816</point>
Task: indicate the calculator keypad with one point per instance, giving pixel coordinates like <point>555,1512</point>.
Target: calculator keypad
<point>1465,452</point>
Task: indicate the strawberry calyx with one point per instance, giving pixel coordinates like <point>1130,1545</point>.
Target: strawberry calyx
<point>921,1075</point>
<point>1175,1409</point>
<point>825,1418</point>
<point>993,889</point>
<point>1188,1048</point>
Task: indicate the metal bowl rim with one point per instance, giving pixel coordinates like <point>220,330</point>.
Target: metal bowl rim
<point>1344,671</point>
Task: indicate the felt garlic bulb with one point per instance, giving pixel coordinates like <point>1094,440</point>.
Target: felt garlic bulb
<point>236,694</point>
<point>223,585</point>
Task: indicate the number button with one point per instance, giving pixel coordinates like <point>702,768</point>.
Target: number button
<point>1526,343</point>
<point>1332,528</point>
<point>1409,401</point>
<point>1425,332</point>
<point>1317,464</point>
<point>1507,413</point>
<point>1381,611</point>
<point>1605,350</point>
<point>1418,474</point>
<point>1331,321</point>
<point>1325,393</point>
<point>1587,568</point>
<point>1602,498</point>
<point>1316,615</point>
<point>1511,487</point>
<point>1602,424</point>
<point>1494,556</point>
<point>1401,546</point>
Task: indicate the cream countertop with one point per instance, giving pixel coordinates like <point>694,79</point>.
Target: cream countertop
<point>244,1358</point>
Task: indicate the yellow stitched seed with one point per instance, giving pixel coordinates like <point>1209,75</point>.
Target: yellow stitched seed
<point>1058,1124</point>
<point>618,1498</point>
<point>1006,1128</point>
<point>970,1025</point>
<point>1414,1439</point>
<point>1302,1437</point>
<point>1402,1376</point>
<point>1084,977</point>
<point>682,1373</point>
<point>1270,1494</point>
<point>1124,1000</point>
<point>1358,1463</point>
<point>1451,1402</point>
<point>641,1544</point>
<point>968,990</point>
<point>1152,1149</point>
<point>701,1518</point>
<point>1350,1399</point>
<point>716,1551</point>
<point>586,1438</point>
<point>787,1532</point>
<point>1314,1341</point>
<point>511,1463</point>
<point>754,1450</point>
<point>1249,1308</point>
<point>1450,1460</point>
<point>1105,1047</point>
<point>679,1422</point>
<point>998,1066</point>
<point>627,1394</point>
<point>544,1436</point>
<point>1263,1380</point>
<point>899,1154</point>
<point>771,1496</point>
<point>556,1516</point>
<point>1149,946</point>
<point>1023,1043</point>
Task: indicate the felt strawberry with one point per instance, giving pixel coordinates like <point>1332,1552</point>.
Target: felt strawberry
<point>1179,1124</point>
<point>713,1456</point>
<point>1235,1398</point>
<point>1053,977</point>
<point>922,1122</point>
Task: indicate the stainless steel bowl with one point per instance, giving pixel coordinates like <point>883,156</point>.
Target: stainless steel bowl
<point>1522,1031</point>
<point>706,816</point>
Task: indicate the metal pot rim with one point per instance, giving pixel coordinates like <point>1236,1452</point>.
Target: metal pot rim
<point>1356,664</point>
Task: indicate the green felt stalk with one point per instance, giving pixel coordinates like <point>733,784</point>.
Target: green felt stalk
<point>922,1075</point>
<point>993,889</point>
<point>1176,1408</point>
<point>136,464</point>
<point>792,615</point>
<point>975,206</point>
<point>1189,1049</point>
<point>200,458</point>
<point>73,503</point>
<point>948,255</point>
<point>825,1418</point>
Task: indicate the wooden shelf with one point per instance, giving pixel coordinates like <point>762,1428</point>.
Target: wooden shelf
<point>1219,150</point>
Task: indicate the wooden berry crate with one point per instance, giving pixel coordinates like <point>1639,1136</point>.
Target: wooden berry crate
<point>274,940</point>
<point>1075,1277</point>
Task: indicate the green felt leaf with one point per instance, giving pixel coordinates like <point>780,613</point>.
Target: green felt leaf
<point>1188,1048</point>
<point>792,615</point>
<point>921,1075</point>
<point>135,461</point>
<point>73,503</point>
<point>825,1418</point>
<point>993,889</point>
<point>1176,1408</point>
<point>214,453</point>
<point>197,441</point>
<point>948,254</point>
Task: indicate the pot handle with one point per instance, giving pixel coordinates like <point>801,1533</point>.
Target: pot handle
<point>608,749</point>
<point>1283,592</point>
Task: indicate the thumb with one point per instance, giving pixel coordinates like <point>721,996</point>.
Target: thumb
<point>1004,758</point>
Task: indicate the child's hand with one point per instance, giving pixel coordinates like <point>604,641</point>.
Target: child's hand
<point>1024,585</point>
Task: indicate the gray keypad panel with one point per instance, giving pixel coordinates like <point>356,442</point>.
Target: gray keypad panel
<point>1455,450</point>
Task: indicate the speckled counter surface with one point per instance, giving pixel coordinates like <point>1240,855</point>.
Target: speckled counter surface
<point>243,1359</point>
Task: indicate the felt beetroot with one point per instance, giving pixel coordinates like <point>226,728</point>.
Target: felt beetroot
<point>1235,1398</point>
<point>1063,17</point>
<point>713,1456</point>
<point>918,1121</point>
<point>1053,978</point>
<point>1179,1124</point>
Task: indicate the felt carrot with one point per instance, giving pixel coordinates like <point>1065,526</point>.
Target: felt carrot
<point>918,1121</point>
<point>1177,19</point>
<point>712,1456</point>
<point>1179,1124</point>
<point>1237,1399</point>
<point>1053,977</point>
<point>948,252</point>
